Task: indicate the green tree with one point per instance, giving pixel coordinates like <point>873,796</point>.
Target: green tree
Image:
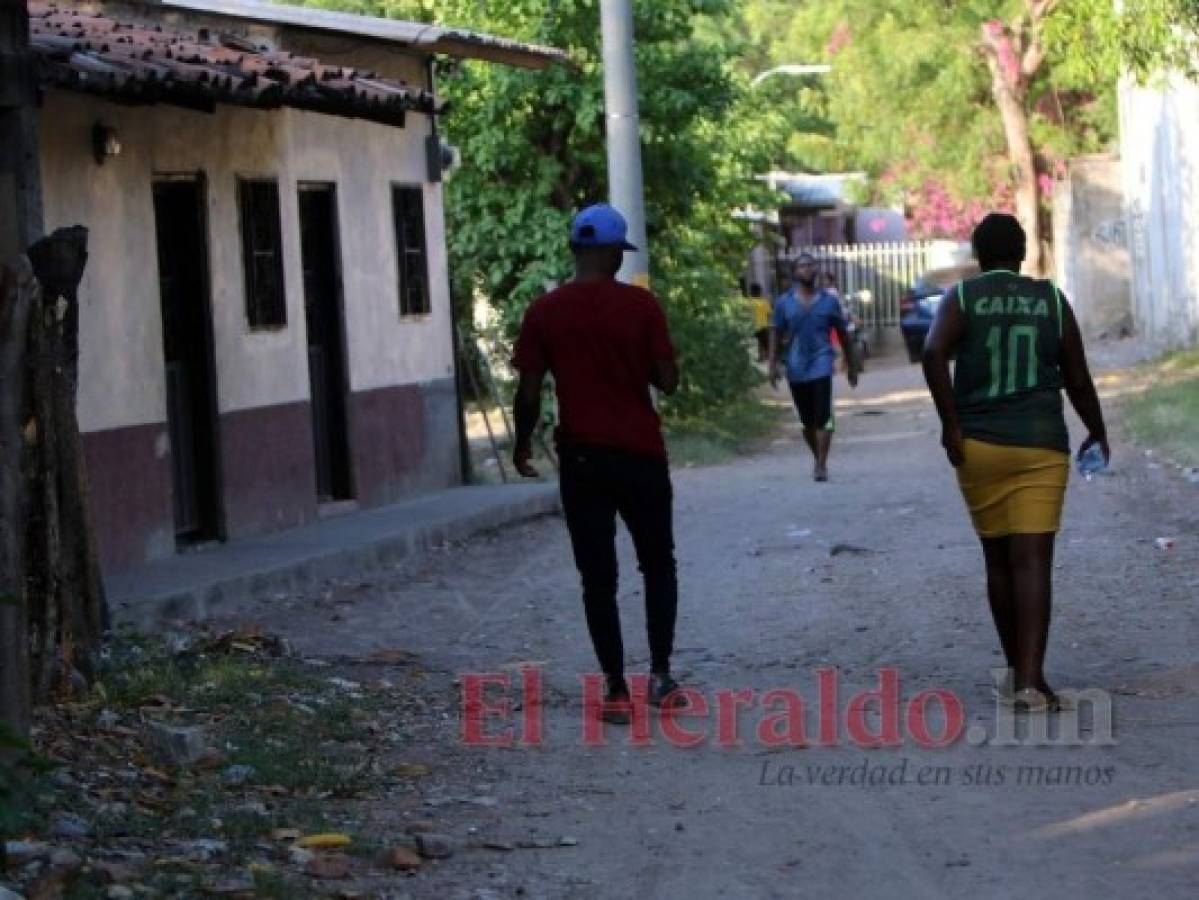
<point>534,153</point>
<point>974,96</point>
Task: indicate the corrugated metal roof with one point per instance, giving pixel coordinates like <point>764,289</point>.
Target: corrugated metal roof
<point>420,35</point>
<point>151,63</point>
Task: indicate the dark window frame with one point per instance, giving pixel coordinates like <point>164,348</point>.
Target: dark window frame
<point>260,218</point>
<point>412,250</point>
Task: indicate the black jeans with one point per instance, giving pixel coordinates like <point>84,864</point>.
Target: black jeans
<point>597,483</point>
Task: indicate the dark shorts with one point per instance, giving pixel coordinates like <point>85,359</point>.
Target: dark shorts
<point>814,400</point>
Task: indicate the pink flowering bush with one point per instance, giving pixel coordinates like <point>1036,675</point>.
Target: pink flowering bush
<point>933,211</point>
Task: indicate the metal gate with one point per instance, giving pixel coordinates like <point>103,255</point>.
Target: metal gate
<point>872,276</point>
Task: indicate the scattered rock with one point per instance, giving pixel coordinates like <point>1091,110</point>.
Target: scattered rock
<point>330,866</point>
<point>574,841</point>
<point>434,846</point>
<point>403,859</point>
<point>233,887</point>
<point>131,856</point>
<point>238,774</point>
<point>205,849</point>
<point>210,760</point>
<point>112,810</point>
<point>20,853</point>
<point>64,859</point>
<point>420,825</point>
<point>6,894</point>
<point>69,827</point>
<point>392,657</point>
<point>179,746</point>
<point>107,719</point>
<point>299,856</point>
<point>111,872</point>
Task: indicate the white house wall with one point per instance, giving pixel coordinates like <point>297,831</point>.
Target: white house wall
<point>367,159</point>
<point>1159,148</point>
<point>403,431</point>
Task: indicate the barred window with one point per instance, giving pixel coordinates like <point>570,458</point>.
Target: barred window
<point>262,252</point>
<point>409,212</point>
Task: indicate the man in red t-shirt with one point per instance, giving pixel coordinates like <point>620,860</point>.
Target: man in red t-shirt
<point>606,343</point>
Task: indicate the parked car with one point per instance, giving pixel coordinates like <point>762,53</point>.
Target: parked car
<point>918,306</point>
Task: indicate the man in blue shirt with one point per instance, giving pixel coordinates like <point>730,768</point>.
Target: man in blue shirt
<point>804,317</point>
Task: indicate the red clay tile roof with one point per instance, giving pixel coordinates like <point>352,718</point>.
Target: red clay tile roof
<point>151,63</point>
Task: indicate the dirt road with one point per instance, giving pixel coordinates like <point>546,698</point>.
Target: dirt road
<point>766,603</point>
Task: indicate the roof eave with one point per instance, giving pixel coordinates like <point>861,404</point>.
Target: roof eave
<point>416,36</point>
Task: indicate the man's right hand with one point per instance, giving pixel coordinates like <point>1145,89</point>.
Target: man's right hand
<point>520,459</point>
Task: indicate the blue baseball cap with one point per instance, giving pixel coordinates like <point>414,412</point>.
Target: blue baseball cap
<point>600,225</point>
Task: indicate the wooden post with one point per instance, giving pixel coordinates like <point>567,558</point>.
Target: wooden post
<point>66,609</point>
<point>20,226</point>
<point>18,297</point>
<point>20,187</point>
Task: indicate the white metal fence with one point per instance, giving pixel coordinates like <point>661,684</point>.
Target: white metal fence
<point>874,275</point>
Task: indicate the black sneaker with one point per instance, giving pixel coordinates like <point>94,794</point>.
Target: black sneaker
<point>617,707</point>
<point>663,692</point>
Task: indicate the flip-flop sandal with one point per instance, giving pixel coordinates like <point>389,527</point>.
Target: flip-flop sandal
<point>1030,700</point>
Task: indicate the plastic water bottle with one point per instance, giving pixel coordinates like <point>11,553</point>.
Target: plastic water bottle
<point>1091,463</point>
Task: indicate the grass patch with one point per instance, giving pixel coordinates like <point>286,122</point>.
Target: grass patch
<point>311,739</point>
<point>721,433</point>
<point>1166,415</point>
<point>277,716</point>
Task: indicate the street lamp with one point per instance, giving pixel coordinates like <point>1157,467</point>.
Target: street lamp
<point>792,69</point>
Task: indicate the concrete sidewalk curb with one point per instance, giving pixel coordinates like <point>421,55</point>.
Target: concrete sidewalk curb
<point>234,576</point>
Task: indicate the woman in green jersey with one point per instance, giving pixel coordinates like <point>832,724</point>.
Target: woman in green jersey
<point>1017,346</point>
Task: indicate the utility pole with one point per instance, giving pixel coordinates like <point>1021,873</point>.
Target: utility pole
<point>20,226</point>
<point>625,189</point>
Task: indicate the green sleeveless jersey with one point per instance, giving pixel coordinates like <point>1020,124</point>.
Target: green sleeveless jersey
<point>1007,383</point>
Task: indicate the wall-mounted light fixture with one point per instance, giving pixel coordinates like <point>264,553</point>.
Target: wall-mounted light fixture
<point>105,143</point>
<point>442,158</point>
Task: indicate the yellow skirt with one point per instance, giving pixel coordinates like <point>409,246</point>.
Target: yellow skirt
<point>1013,490</point>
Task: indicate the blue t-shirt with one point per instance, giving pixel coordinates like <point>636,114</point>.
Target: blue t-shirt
<point>809,350</point>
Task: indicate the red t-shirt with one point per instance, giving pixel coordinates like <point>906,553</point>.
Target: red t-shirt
<point>600,340</point>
